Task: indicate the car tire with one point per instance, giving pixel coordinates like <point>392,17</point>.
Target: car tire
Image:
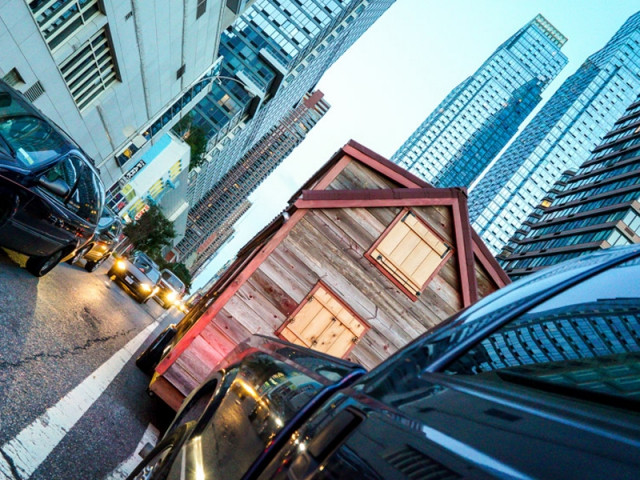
<point>149,359</point>
<point>79,254</point>
<point>39,266</point>
<point>157,464</point>
<point>91,266</point>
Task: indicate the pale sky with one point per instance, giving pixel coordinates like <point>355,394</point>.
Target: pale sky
<point>389,81</point>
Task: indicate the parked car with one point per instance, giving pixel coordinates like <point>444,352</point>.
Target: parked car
<point>51,196</point>
<point>170,289</point>
<point>103,244</point>
<point>138,274</point>
<point>538,380</point>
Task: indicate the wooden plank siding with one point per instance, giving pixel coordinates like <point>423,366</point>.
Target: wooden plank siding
<point>327,246</point>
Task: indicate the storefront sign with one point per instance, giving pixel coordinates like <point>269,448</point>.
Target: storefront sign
<point>132,173</point>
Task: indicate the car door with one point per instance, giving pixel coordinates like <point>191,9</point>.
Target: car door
<point>41,217</point>
<point>85,203</point>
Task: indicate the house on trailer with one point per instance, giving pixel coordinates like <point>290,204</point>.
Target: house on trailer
<point>366,258</point>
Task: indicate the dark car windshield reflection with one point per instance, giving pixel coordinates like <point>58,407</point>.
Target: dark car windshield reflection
<point>33,141</point>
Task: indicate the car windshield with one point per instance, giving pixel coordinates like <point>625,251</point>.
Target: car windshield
<point>172,280</point>
<point>146,266</point>
<point>33,140</point>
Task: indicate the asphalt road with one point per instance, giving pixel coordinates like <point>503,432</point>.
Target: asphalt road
<point>56,333</point>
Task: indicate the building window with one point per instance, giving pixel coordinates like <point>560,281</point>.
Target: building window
<point>323,322</point>
<point>90,70</point>
<point>201,8</point>
<point>58,19</point>
<point>409,253</point>
<point>180,71</point>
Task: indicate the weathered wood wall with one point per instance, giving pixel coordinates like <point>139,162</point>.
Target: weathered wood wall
<point>328,245</point>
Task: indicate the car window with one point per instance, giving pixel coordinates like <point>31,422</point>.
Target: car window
<point>584,342</point>
<point>172,280</point>
<point>147,267</point>
<point>64,170</point>
<point>85,199</point>
<point>33,140</point>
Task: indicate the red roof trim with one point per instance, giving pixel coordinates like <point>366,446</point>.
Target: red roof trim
<point>387,164</point>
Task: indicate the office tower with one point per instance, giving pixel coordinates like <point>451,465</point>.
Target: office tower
<point>558,138</point>
<point>274,54</point>
<point>207,217</point>
<point>477,119</point>
<point>217,240</point>
<point>596,207</point>
<point>114,75</point>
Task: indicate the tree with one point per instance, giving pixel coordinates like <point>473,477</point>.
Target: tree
<point>151,232</point>
<point>197,140</point>
<point>194,136</point>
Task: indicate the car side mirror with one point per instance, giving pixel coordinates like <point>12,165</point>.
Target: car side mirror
<point>58,187</point>
<point>5,99</point>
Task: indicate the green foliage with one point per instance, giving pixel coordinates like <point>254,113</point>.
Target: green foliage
<point>197,140</point>
<point>151,232</point>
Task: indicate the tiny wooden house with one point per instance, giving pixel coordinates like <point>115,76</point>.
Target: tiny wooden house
<point>365,258</point>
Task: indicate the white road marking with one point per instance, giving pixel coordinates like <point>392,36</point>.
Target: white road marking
<point>33,444</point>
<point>123,470</point>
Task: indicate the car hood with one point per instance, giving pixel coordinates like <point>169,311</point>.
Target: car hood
<point>468,429</point>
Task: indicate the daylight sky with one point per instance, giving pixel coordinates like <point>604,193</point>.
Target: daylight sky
<point>387,83</point>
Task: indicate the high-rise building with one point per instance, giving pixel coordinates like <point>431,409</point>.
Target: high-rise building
<point>106,73</point>
<point>595,207</point>
<point>477,119</point>
<point>274,54</point>
<point>210,214</point>
<point>558,138</point>
<point>217,240</point>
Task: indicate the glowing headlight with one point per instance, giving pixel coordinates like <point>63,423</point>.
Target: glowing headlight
<point>121,264</point>
<point>145,287</point>
<point>172,296</point>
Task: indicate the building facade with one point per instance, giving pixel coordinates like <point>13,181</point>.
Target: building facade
<point>207,217</point>
<point>274,54</point>
<point>558,138</point>
<point>596,207</point>
<point>477,119</point>
<point>103,71</point>
<point>216,240</point>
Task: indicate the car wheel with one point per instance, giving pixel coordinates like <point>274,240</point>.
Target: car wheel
<point>157,464</point>
<point>79,254</point>
<point>40,266</point>
<point>91,266</point>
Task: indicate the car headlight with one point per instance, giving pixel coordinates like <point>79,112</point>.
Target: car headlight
<point>121,265</point>
<point>145,287</point>
<point>172,296</point>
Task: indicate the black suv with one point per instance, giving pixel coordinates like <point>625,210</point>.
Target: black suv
<point>538,380</point>
<point>138,274</point>
<point>51,197</point>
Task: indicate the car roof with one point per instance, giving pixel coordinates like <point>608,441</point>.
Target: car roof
<point>514,299</point>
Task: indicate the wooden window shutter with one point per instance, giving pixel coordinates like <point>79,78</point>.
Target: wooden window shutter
<point>409,253</point>
<point>324,323</point>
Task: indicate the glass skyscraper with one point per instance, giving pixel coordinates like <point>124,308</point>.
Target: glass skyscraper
<point>477,119</point>
<point>279,49</point>
<point>558,138</point>
<point>209,217</point>
<point>595,207</point>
